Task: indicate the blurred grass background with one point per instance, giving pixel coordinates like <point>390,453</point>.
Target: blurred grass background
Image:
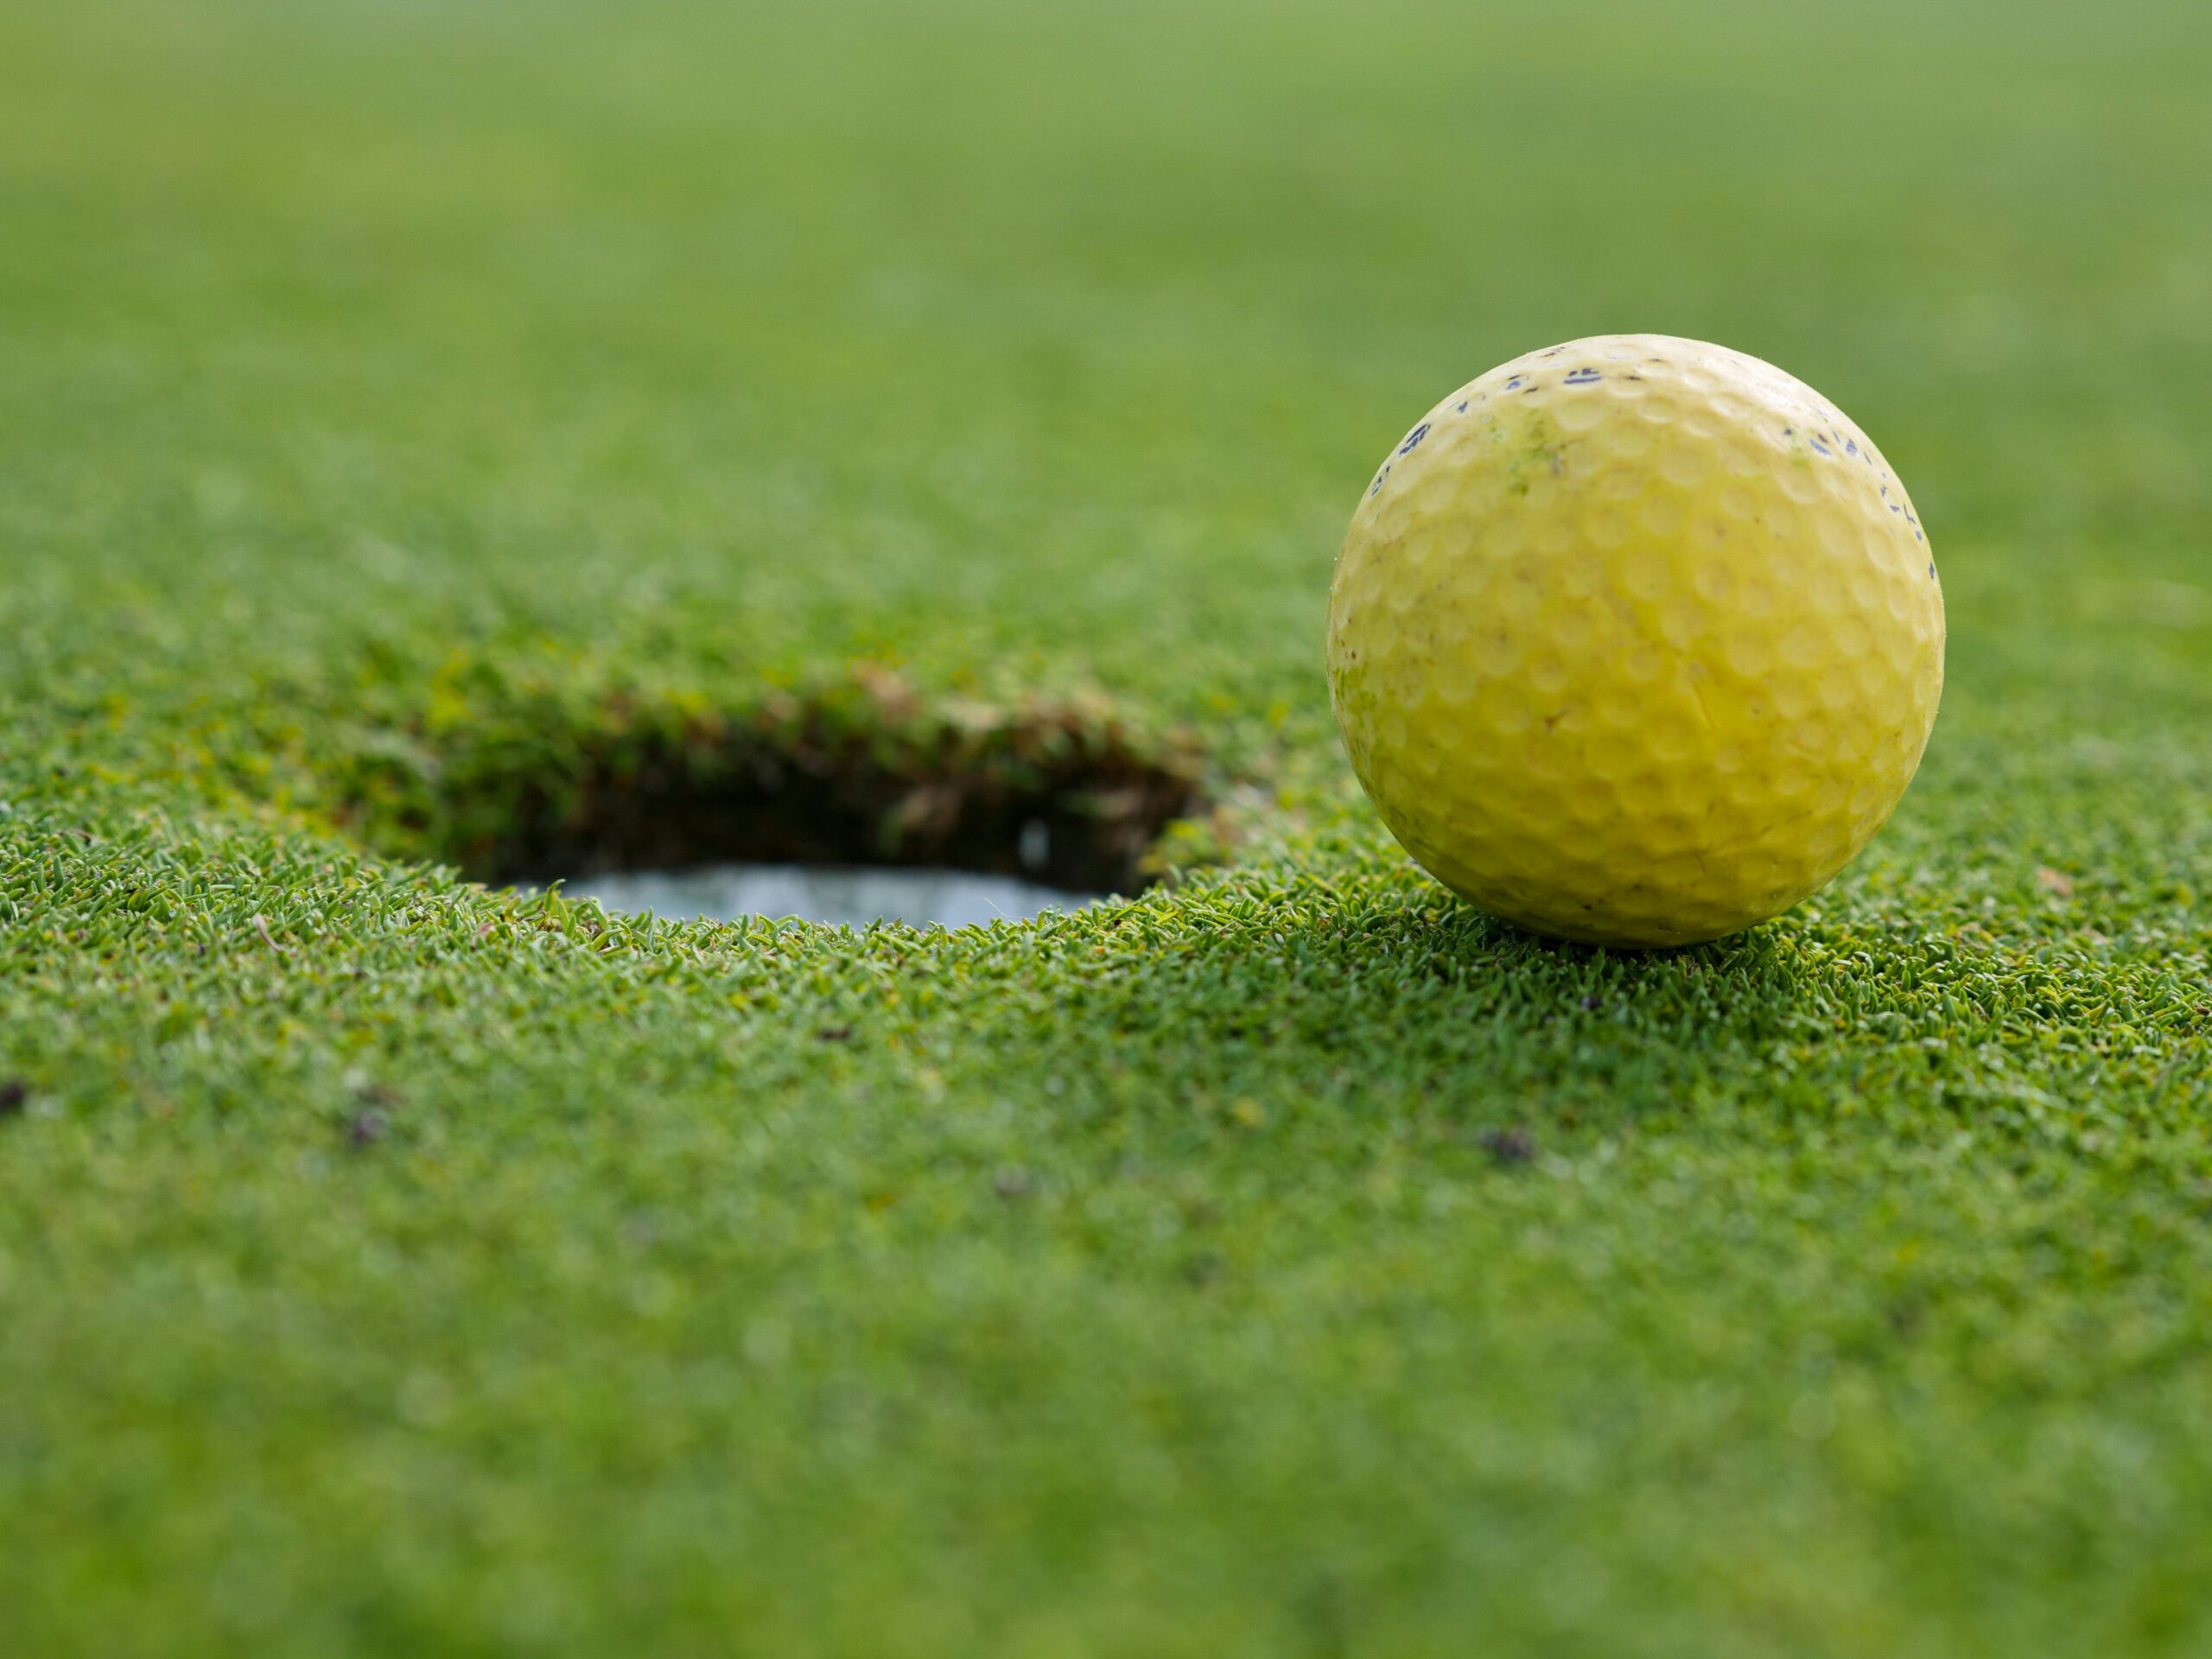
<point>970,329</point>
<point>386,1270</point>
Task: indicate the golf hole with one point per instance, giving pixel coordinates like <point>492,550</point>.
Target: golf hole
<point>845,840</point>
<point>863,803</point>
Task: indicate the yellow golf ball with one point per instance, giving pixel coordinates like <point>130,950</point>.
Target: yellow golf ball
<point>1635,640</point>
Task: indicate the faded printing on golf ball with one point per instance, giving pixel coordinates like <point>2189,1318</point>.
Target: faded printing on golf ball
<point>1635,640</point>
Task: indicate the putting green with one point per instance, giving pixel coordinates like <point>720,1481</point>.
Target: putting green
<point>425,430</point>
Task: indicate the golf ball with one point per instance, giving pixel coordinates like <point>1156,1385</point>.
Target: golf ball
<point>1635,640</point>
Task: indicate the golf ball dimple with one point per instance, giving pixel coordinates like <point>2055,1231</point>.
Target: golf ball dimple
<point>1635,640</point>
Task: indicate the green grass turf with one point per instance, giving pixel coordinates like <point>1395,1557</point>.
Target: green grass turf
<point>394,393</point>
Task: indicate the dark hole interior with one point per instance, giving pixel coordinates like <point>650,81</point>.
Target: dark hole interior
<point>1063,808</point>
<point>1084,825</point>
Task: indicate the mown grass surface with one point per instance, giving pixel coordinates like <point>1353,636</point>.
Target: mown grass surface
<point>1290,1261</point>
